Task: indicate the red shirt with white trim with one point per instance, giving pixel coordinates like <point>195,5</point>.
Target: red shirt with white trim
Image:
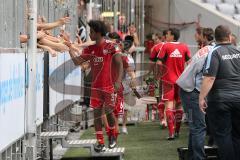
<point>174,55</point>
<point>100,57</point>
<point>155,50</point>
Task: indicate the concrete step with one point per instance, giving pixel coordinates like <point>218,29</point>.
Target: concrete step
<point>87,143</point>
<point>118,151</point>
<point>54,135</point>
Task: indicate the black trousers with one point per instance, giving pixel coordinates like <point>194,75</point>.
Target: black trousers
<point>224,119</point>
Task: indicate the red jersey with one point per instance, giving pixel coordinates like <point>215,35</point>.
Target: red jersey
<point>174,55</point>
<point>115,70</point>
<point>100,57</point>
<point>155,50</point>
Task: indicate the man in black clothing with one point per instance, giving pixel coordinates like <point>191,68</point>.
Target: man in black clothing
<point>221,86</point>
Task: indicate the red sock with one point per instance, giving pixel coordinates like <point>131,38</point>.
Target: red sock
<point>170,121</point>
<point>116,131</point>
<point>161,111</point>
<point>178,117</point>
<point>99,136</point>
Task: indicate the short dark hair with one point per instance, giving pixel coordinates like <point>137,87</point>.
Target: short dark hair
<point>114,35</point>
<point>98,26</point>
<point>149,36</point>
<point>129,38</point>
<point>164,33</point>
<point>175,32</point>
<point>222,33</point>
<point>158,35</point>
<point>208,33</point>
<point>128,42</point>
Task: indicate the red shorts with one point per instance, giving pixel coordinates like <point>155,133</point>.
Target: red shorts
<point>170,92</point>
<point>119,107</point>
<point>100,97</point>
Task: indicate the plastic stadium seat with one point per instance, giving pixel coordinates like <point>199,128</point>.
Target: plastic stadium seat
<point>236,16</point>
<point>226,8</point>
<point>214,2</point>
<point>231,1</point>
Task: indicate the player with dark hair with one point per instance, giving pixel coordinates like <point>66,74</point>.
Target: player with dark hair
<point>152,60</point>
<point>114,36</point>
<point>148,44</point>
<point>128,67</point>
<point>129,79</point>
<point>173,55</point>
<point>100,57</point>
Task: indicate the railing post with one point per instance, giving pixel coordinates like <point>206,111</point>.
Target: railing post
<point>30,143</point>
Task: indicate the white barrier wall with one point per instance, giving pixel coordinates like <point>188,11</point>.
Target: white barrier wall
<point>65,88</point>
<point>64,82</point>
<point>72,80</point>
<point>12,97</point>
<point>56,76</point>
<point>39,88</point>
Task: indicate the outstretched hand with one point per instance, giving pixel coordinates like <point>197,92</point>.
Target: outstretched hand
<point>41,34</point>
<point>64,20</point>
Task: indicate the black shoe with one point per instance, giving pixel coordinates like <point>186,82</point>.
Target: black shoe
<point>171,138</point>
<point>99,147</point>
<point>112,142</point>
<point>210,141</point>
<point>176,135</point>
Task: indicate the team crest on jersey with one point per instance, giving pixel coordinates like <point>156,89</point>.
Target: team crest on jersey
<point>105,51</point>
<point>108,41</point>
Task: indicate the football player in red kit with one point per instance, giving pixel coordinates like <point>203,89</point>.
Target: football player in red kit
<point>148,44</point>
<point>173,55</point>
<point>118,109</point>
<point>153,59</point>
<point>127,67</point>
<point>100,56</point>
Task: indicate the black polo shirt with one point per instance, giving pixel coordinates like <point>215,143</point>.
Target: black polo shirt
<point>223,62</point>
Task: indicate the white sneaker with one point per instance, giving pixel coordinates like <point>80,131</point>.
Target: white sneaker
<point>124,130</point>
